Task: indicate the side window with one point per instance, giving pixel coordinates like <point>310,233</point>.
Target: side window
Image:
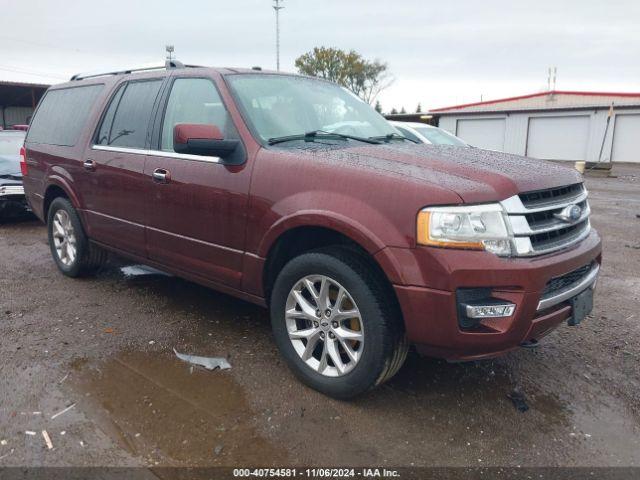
<point>194,100</point>
<point>62,115</point>
<point>107,121</point>
<point>126,121</point>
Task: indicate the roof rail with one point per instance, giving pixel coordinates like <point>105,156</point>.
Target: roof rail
<point>169,64</point>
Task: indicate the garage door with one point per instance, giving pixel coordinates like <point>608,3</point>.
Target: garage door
<point>482,132</point>
<point>558,138</point>
<point>626,139</point>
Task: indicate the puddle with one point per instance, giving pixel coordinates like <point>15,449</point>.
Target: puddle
<point>158,408</point>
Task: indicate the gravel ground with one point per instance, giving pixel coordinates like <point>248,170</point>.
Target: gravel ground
<point>105,346</point>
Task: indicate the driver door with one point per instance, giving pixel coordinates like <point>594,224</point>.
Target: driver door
<point>197,212</point>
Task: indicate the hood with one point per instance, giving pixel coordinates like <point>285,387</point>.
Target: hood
<point>10,167</point>
<point>473,174</point>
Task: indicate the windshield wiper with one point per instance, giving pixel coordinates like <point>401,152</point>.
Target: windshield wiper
<point>392,136</point>
<point>317,134</point>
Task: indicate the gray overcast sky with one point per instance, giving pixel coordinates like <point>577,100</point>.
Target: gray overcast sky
<point>440,52</point>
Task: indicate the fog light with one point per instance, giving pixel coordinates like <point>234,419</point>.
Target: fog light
<point>490,311</point>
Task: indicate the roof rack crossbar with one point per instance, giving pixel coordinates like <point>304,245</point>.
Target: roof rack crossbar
<point>169,64</point>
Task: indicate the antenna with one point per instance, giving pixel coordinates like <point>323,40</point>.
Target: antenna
<point>552,73</point>
<point>549,79</point>
<point>277,7</point>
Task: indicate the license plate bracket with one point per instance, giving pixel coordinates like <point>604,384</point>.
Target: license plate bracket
<point>581,306</point>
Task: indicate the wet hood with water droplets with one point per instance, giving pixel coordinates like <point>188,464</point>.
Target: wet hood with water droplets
<point>475,175</point>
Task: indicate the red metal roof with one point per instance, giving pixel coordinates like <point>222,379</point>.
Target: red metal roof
<point>539,94</point>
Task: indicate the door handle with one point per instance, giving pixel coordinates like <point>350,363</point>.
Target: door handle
<point>160,175</point>
<point>89,164</point>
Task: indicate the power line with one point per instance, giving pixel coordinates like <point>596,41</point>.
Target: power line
<point>32,72</point>
<point>69,52</point>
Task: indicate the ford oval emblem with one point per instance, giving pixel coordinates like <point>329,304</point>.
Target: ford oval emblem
<point>570,213</point>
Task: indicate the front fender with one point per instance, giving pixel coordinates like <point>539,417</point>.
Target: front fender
<point>378,233</point>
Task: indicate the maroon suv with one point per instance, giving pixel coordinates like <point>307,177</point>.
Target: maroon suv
<point>292,193</point>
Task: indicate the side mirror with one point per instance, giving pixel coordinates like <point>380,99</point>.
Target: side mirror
<point>205,140</point>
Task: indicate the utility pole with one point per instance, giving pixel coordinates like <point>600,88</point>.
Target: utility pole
<point>277,7</point>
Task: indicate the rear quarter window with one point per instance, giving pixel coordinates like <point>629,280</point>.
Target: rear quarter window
<point>126,121</point>
<point>62,114</point>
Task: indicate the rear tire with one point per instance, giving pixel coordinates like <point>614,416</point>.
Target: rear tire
<point>74,255</point>
<point>370,344</point>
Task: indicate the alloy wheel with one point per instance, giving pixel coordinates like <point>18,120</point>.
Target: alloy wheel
<point>64,238</point>
<point>324,325</point>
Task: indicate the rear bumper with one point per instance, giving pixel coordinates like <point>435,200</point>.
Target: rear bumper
<point>430,308</point>
<point>12,200</point>
<point>11,191</point>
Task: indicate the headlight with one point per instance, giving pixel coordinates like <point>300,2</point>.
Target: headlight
<point>476,227</point>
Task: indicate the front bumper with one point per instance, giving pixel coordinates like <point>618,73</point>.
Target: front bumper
<point>430,308</point>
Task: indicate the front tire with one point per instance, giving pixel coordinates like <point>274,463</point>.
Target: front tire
<point>71,250</point>
<point>336,323</point>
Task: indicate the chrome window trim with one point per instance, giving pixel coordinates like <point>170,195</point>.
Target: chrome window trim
<point>157,153</point>
<point>6,190</point>
<point>587,281</point>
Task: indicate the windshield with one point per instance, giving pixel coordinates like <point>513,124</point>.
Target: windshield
<point>281,105</point>
<point>438,136</point>
<point>10,143</point>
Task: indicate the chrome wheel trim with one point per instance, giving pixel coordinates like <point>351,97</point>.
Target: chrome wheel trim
<point>324,325</point>
<point>64,238</point>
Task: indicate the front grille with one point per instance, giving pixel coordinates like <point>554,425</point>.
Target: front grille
<point>539,221</point>
<point>564,282</point>
<point>547,240</point>
<point>545,218</point>
<point>551,195</point>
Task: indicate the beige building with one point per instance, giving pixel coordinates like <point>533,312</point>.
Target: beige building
<point>556,125</point>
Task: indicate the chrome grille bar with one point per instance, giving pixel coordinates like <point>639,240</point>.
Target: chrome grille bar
<point>514,205</point>
<point>549,234</point>
<point>521,226</point>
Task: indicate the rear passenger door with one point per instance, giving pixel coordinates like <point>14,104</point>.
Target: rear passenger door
<point>117,189</point>
<point>196,217</point>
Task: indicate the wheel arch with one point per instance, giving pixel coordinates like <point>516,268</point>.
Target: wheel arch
<point>304,234</point>
<point>339,223</point>
<point>58,187</point>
